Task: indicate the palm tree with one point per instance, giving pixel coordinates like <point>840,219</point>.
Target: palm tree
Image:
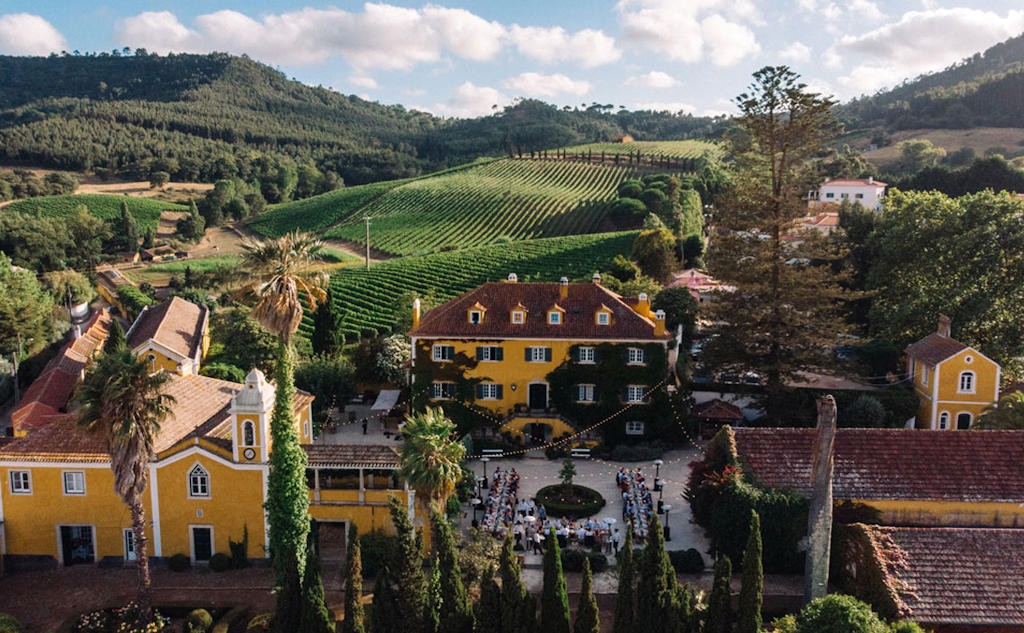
<point>121,399</point>
<point>283,270</point>
<point>1007,415</point>
<point>430,460</point>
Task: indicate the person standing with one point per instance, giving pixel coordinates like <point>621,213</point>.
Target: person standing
<point>615,541</point>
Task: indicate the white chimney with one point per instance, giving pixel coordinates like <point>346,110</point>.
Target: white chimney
<point>512,278</point>
<point>564,281</point>
<point>871,180</point>
<point>596,278</point>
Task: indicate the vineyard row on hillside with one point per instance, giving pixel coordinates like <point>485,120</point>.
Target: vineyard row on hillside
<point>367,298</point>
<point>146,210</point>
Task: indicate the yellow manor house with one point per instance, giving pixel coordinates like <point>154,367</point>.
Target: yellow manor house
<point>208,482</point>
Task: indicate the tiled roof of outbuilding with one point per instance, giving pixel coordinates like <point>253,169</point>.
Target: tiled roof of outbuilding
<point>351,455</point>
<point>896,464</point>
<point>581,303</point>
<point>176,324</point>
<point>935,348</point>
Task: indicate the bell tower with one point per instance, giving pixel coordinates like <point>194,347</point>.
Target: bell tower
<point>250,416</point>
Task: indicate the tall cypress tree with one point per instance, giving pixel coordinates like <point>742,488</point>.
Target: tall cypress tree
<point>353,622</point>
<point>749,620</point>
<point>432,604</point>
<point>456,614</point>
<point>315,618</point>
<point>587,618</point>
<point>129,228</point>
<point>653,586</point>
<point>554,602</point>
<point>115,338</point>
<point>409,577</point>
<point>518,606</point>
<point>488,608</point>
<point>327,338</point>
<point>719,617</point>
<point>625,599</point>
<point>388,611</point>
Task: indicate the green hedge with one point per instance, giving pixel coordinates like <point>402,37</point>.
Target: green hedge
<point>550,496</point>
<point>8,624</point>
<point>572,560</point>
<point>686,561</point>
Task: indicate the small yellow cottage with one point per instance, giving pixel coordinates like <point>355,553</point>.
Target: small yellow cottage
<point>954,382</point>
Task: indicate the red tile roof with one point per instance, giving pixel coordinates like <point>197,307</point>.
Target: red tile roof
<point>581,303</point>
<point>934,348</point>
<point>962,575</point>
<point>854,182</point>
<point>351,455</point>
<point>48,394</point>
<point>718,410</point>
<point>175,324</point>
<point>897,464</point>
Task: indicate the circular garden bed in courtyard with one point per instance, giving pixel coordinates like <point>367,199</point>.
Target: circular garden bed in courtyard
<point>574,502</point>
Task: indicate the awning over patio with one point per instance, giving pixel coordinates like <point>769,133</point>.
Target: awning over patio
<point>387,399</point>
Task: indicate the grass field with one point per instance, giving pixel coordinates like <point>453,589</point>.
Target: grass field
<point>510,199</point>
<point>146,210</point>
<point>981,139</point>
<point>368,298</point>
<point>678,149</point>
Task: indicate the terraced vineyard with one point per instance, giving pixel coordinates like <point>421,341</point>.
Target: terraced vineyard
<point>319,212</point>
<point>146,210</point>
<point>513,199</point>
<point>677,149</point>
<point>367,298</point>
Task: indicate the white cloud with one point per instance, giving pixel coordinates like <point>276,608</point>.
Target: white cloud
<point>920,42</point>
<point>364,81</point>
<point>470,100</point>
<point>414,92</point>
<point>807,5</point>
<point>865,9</point>
<point>653,79</point>
<point>588,47</point>
<point>686,31</point>
<point>381,36</point>
<point>27,34</point>
<point>538,85</point>
<point>663,106</point>
<point>795,52</point>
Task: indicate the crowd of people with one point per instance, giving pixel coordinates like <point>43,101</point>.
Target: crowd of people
<point>637,502</point>
<point>502,502</point>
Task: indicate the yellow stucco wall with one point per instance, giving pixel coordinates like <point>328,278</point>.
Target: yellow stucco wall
<point>30,521</point>
<point>369,515</point>
<point>235,502</point>
<point>516,426</point>
<point>948,397</point>
<point>949,513</point>
<point>164,362</point>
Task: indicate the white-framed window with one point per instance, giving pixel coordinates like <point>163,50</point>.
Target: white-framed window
<point>538,354</point>
<point>859,196</point>
<point>476,317</point>
<point>442,390</point>
<point>963,421</point>
<point>198,483</point>
<point>555,317</point>
<point>636,393</point>
<point>586,354</point>
<point>248,433</point>
<point>635,356</point>
<point>443,352</point>
<point>924,374</point>
<point>518,317</point>
<point>74,482</point>
<point>944,420</point>
<point>585,393</point>
<point>634,427</point>
<point>604,318</point>
<point>489,353</point>
<point>829,195</point>
<point>966,382</point>
<point>844,196</point>
<point>21,482</point>
<point>488,391</point>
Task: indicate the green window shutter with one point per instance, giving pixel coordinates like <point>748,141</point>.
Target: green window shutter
<point>500,353</point>
<point>575,354</point>
<point>547,354</point>
<point>479,353</point>
<point>597,355</point>
<point>479,392</point>
<point>529,354</point>
<point>501,391</point>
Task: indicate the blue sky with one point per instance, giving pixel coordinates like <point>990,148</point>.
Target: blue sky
<point>459,58</point>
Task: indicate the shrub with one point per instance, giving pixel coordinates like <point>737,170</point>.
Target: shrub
<point>223,371</point>
<point>240,550</point>
<point>637,452</point>
<point>572,560</point>
<point>259,623</point>
<point>686,561</point>
<point>199,620</point>
<point>8,624</point>
<point>589,501</point>
<point>839,614</point>
<point>376,549</point>
<point>178,562</point>
<point>220,562</point>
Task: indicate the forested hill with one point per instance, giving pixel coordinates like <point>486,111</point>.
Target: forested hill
<point>986,89</point>
<point>203,117</point>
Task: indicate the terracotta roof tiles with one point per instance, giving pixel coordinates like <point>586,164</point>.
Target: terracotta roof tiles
<point>175,324</point>
<point>897,464</point>
<point>580,304</point>
<point>351,455</point>
<point>934,348</point>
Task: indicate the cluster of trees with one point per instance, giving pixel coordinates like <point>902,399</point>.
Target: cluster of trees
<point>44,244</point>
<point>978,174</point>
<point>21,183</point>
<point>216,116</point>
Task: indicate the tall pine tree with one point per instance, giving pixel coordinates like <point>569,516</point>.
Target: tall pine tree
<point>489,607</point>
<point>518,606</point>
<point>625,599</point>
<point>587,618</point>
<point>719,616</point>
<point>315,617</point>
<point>554,602</point>
<point>456,614</point>
<point>353,622</point>
<point>749,620</point>
<point>327,338</point>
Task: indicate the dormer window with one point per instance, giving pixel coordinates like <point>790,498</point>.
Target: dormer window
<point>604,317</point>
<point>518,317</point>
<point>555,317</point>
<point>475,317</point>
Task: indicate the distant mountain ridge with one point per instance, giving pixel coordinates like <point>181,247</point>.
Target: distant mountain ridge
<point>986,89</point>
<point>202,117</point>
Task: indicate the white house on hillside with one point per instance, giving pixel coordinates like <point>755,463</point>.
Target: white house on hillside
<point>866,192</point>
